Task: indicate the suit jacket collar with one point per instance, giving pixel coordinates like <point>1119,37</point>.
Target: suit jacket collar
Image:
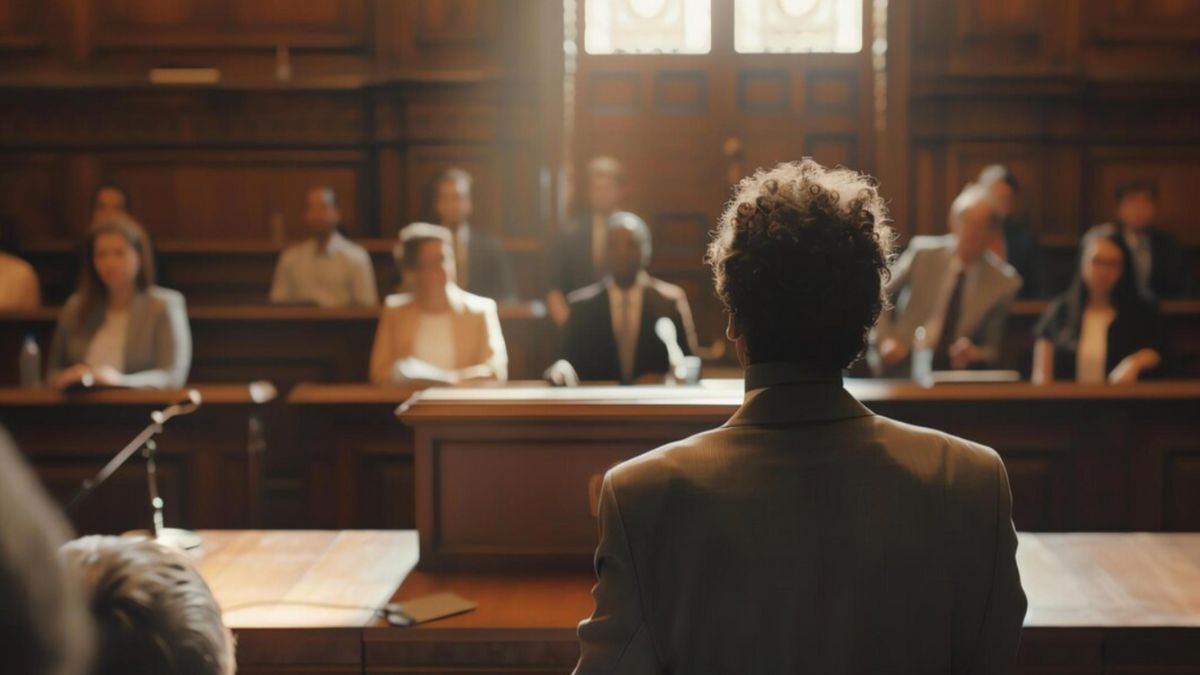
<point>784,393</point>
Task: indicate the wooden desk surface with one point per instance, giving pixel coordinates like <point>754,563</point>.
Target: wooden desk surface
<point>215,394</point>
<point>304,579</point>
<point>721,397</point>
<point>1071,580</point>
<point>1094,600</point>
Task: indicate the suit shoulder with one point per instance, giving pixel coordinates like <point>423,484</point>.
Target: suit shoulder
<point>966,463</point>
<point>586,294</point>
<point>167,296</point>
<point>477,304</point>
<point>654,472</point>
<point>667,290</point>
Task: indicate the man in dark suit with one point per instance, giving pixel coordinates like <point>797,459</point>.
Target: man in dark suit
<point>807,534</point>
<point>1013,242</point>
<point>1160,264</point>
<point>580,249</point>
<point>611,333</point>
<point>483,265</point>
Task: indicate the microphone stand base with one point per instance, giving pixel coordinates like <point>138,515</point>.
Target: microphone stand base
<point>175,537</point>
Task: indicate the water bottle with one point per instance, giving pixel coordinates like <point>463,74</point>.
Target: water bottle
<point>31,363</point>
<point>922,358</point>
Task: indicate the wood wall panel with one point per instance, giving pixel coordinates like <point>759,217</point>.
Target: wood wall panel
<point>22,24</point>
<point>1176,170</point>
<point>230,195</point>
<point>225,24</point>
<point>381,95</point>
<point>1075,96</point>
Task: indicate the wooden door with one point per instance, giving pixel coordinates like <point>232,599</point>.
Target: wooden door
<point>687,125</point>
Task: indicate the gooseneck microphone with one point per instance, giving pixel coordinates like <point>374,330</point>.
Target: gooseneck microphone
<point>158,418</point>
<point>664,328</point>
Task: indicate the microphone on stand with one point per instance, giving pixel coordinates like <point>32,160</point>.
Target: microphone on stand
<point>187,406</point>
<point>144,441</point>
<point>684,368</point>
<point>664,328</point>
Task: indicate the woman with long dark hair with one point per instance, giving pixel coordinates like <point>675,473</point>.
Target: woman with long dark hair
<point>1100,330</point>
<point>118,328</point>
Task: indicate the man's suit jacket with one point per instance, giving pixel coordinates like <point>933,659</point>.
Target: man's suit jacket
<point>916,284</point>
<point>1025,255</point>
<point>477,336</point>
<point>158,339</point>
<point>588,340</point>
<point>489,272</point>
<point>806,535</point>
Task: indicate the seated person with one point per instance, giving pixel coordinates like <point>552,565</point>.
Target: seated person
<point>611,332</point>
<point>19,288</point>
<point>1160,266</point>
<point>118,328</point>
<point>154,614</point>
<point>483,265</point>
<point>110,201</point>
<point>953,287</point>
<point>579,252</point>
<point>1101,329</point>
<point>1013,241</point>
<point>436,333</point>
<point>44,628</point>
<point>326,270</point>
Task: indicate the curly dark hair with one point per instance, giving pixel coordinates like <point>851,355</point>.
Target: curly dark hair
<point>800,258</point>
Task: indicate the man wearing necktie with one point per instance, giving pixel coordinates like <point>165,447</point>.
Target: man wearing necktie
<point>610,334</point>
<point>953,287</point>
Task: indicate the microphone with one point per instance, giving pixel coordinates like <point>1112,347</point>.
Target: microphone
<point>188,405</point>
<point>664,328</point>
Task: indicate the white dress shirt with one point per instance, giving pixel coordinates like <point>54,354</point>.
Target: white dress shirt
<point>1092,353</point>
<point>434,340</point>
<point>599,242</point>
<point>625,305</point>
<point>340,275</point>
<point>1139,247</point>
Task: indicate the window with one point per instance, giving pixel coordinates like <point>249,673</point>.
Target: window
<point>647,26</point>
<point>765,26</point>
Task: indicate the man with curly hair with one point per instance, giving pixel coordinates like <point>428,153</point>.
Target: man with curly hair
<point>806,534</point>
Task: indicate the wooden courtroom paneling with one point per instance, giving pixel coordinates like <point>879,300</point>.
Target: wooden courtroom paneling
<point>370,95</point>
<point>223,24</point>
<point>688,126</point>
<point>22,25</point>
<point>209,463</point>
<point>1075,96</point>
<point>1082,458</point>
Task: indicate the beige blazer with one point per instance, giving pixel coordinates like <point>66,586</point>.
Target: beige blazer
<point>915,287</point>
<point>806,535</point>
<point>158,341</point>
<point>477,336</point>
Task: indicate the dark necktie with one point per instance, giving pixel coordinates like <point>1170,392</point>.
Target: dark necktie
<point>941,356</point>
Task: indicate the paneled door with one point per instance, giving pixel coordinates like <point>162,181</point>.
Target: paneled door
<point>692,94</point>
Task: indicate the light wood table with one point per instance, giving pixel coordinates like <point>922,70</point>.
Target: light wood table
<point>1098,603</point>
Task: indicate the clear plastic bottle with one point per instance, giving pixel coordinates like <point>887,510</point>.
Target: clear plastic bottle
<point>31,363</point>
<point>922,358</point>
